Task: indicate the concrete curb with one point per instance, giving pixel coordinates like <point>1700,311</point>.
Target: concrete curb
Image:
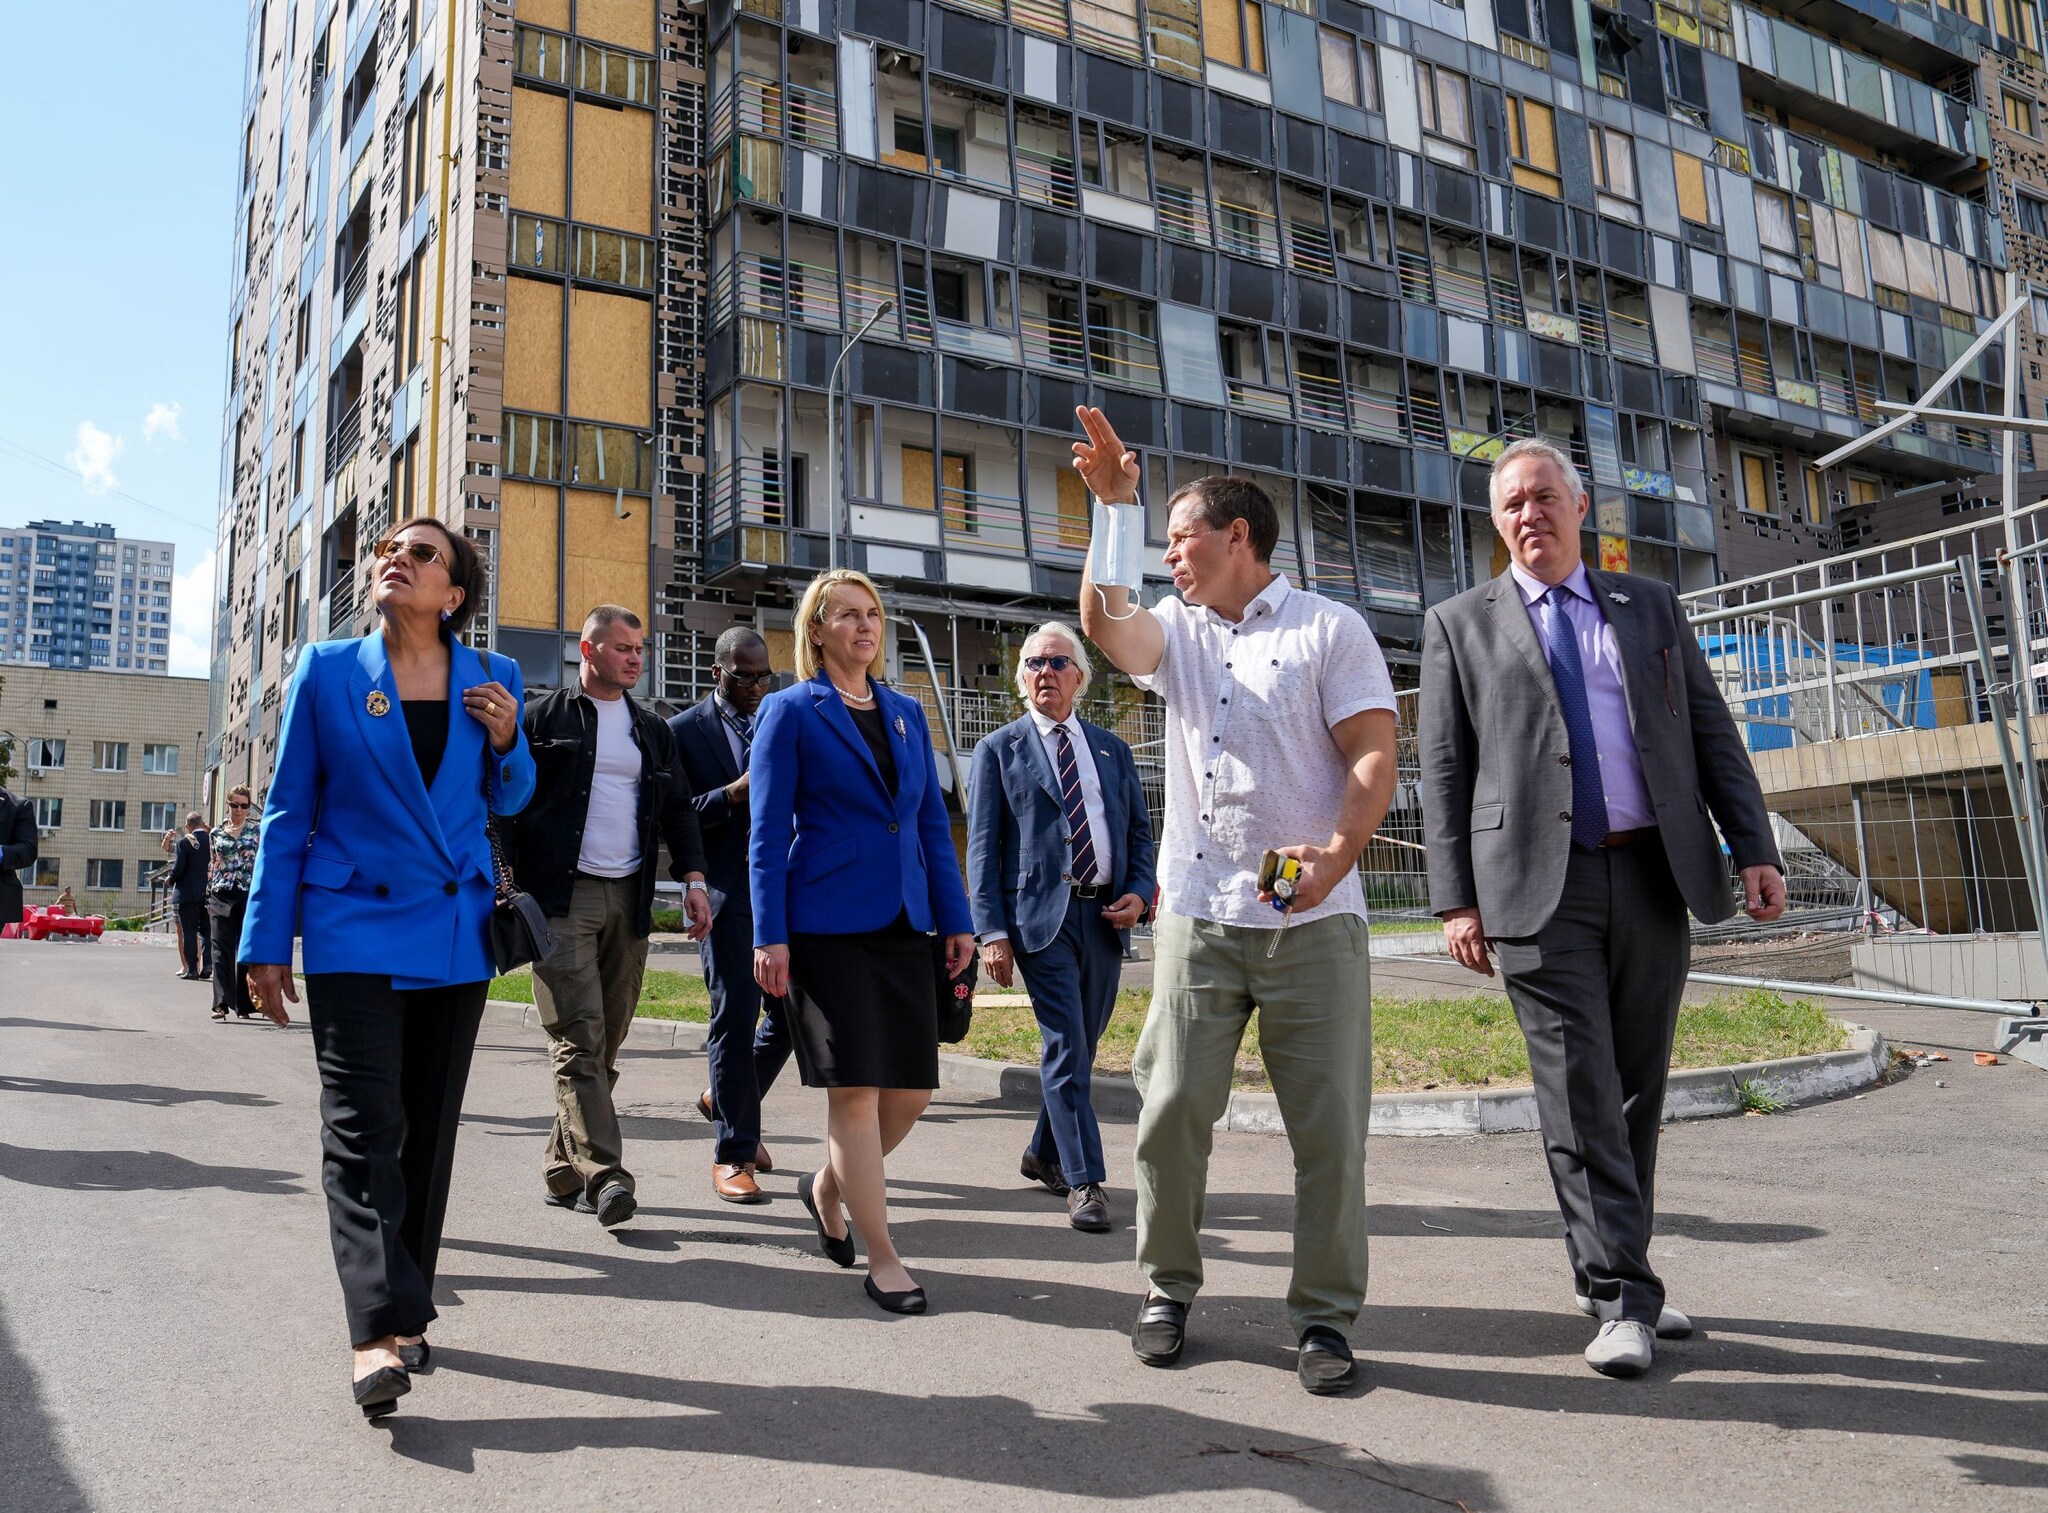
<point>1701,1093</point>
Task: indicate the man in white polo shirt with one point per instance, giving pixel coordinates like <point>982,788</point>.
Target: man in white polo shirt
<point>1279,736</point>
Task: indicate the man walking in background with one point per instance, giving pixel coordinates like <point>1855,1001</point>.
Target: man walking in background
<point>1059,867</point>
<point>19,839</point>
<point>608,791</point>
<point>1573,746</point>
<point>748,1040</point>
<point>187,880</point>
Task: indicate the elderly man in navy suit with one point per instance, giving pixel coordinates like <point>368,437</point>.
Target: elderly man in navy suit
<point>1059,867</point>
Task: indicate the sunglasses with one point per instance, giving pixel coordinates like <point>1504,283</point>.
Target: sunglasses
<point>421,552</point>
<point>751,679</point>
<point>238,806</point>
<point>1040,664</point>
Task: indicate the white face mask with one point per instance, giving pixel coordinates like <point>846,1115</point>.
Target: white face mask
<point>1116,551</point>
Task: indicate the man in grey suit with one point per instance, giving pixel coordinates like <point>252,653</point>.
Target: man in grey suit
<point>1573,748</point>
<point>1059,867</point>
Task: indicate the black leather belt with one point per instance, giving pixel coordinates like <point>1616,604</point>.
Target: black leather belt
<point>1616,839</point>
<point>1090,890</point>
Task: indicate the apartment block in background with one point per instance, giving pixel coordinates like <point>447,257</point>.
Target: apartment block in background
<point>111,761</point>
<point>1349,250</point>
<point>78,595</point>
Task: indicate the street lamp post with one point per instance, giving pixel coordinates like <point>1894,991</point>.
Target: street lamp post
<point>832,435</point>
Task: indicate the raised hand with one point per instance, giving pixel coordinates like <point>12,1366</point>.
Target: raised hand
<point>1110,472</point>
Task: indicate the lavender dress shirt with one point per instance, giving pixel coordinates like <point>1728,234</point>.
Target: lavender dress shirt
<point>1621,772</point>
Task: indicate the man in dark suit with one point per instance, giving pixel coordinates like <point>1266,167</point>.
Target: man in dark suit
<point>749,1035</point>
<point>18,845</point>
<point>189,859</point>
<point>1573,748</point>
<point>1059,867</point>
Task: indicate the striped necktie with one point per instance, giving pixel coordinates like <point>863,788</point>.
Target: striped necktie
<point>1083,840</point>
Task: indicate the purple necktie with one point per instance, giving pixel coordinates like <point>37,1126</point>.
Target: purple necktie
<point>1589,795</point>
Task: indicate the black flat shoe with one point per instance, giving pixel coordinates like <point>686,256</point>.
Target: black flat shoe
<point>840,1251</point>
<point>1160,1332</point>
<point>576,1202</point>
<point>895,1302</point>
<point>1325,1365</point>
<point>378,1393</point>
<point>418,1359</point>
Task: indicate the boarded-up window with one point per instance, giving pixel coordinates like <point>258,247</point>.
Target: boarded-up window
<point>1774,221</point>
<point>918,474</point>
<point>1758,496</point>
<point>1887,259</point>
<point>1532,142</point>
<point>1222,39</point>
<point>1071,500</point>
<point>1698,190</point>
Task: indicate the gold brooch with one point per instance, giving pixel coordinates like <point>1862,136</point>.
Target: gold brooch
<point>377,704</point>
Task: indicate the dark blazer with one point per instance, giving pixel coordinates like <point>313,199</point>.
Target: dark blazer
<point>189,860</point>
<point>1017,849</point>
<point>19,841</point>
<point>375,871</point>
<point>561,726</point>
<point>831,852</point>
<point>707,762</point>
<point>1496,787</point>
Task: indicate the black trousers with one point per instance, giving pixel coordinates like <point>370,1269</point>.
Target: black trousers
<point>748,1042</point>
<point>195,936</point>
<point>1597,991</point>
<point>230,977</point>
<point>393,1065</point>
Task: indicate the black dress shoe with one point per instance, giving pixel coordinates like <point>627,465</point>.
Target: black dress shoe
<point>1324,1364</point>
<point>378,1393</point>
<point>615,1204</point>
<point>840,1251</point>
<point>1044,1173</point>
<point>895,1302</point>
<point>576,1202</point>
<point>418,1359</point>
<point>1088,1209</point>
<point>1161,1331</point>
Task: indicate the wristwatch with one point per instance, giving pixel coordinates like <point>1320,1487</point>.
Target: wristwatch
<point>697,887</point>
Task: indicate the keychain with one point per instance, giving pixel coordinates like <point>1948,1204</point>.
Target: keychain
<point>1279,875</point>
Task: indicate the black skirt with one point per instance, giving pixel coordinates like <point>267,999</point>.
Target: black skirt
<point>865,1008</point>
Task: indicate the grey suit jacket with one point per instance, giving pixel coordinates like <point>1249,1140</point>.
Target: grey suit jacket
<point>1496,783</point>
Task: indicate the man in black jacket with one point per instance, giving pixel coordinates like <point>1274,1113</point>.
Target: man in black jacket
<point>749,1034</point>
<point>18,844</point>
<point>609,790</point>
<point>189,859</point>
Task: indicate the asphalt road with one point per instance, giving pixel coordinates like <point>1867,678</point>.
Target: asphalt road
<point>171,1334</point>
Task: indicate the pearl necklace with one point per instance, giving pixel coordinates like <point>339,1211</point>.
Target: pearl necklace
<point>851,698</point>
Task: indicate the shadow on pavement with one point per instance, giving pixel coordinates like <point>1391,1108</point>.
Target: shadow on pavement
<point>54,1024</point>
<point>1119,1450</point>
<point>1997,1471</point>
<point>33,1469</point>
<point>135,1171</point>
<point>132,1092</point>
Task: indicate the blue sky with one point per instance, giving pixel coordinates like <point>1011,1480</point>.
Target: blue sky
<point>118,178</point>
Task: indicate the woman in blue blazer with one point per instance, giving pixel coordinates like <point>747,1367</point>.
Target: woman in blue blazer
<point>374,851</point>
<point>853,873</point>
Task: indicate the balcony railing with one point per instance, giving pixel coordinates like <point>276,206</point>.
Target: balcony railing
<point>1184,214</point>
<point>345,437</point>
<point>1415,280</point>
<point>1427,420</point>
<point>748,491</point>
<point>1047,179</point>
<point>1461,292</point>
<point>982,521</point>
<point>750,285</point>
<point>765,107</point>
<point>1755,369</point>
<point>1631,338</point>
<point>357,281</point>
<point>1507,302</point>
<point>1321,399</point>
<point>1247,231</point>
<point>1056,534</point>
<point>1124,357</point>
<point>1836,397</point>
<point>1380,414</point>
<point>1313,250</point>
<point>1053,343</point>
<point>1592,328</point>
<point>1716,359</point>
<point>977,342</point>
<point>1256,399</point>
<point>1046,16</point>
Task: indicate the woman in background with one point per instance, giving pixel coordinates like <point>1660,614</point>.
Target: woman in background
<point>227,902</point>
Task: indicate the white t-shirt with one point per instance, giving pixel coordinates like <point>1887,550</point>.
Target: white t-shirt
<point>611,824</point>
<point>1250,764</point>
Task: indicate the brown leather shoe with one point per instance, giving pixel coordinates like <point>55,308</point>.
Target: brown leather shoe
<point>761,1161</point>
<point>736,1184</point>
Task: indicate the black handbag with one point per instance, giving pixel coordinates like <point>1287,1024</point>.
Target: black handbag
<point>519,927</point>
<point>956,995</point>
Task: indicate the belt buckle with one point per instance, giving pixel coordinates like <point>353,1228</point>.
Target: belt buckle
<point>1087,890</point>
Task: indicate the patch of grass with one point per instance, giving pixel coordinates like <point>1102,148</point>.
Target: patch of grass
<point>1465,1042</point>
<point>1755,1096</point>
<point>663,995</point>
<point>1407,927</point>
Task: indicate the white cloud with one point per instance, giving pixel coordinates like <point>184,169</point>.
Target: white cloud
<point>162,422</point>
<point>192,620</point>
<point>94,457</point>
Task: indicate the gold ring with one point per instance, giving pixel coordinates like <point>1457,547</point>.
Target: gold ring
<point>490,707</point>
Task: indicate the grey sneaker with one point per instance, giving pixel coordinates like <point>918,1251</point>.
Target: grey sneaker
<point>615,1205</point>
<point>1671,1324</point>
<point>1623,1347</point>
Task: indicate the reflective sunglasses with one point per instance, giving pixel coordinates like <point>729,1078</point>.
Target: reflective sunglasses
<point>1040,664</point>
<point>752,679</point>
<point>233,805</point>
<point>421,552</point>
